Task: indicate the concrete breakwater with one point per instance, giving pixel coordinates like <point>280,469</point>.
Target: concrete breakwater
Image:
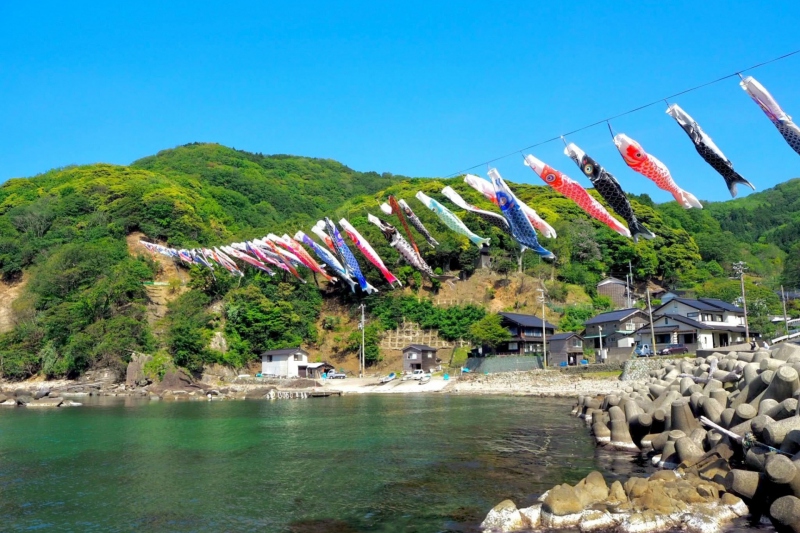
<point>726,429</point>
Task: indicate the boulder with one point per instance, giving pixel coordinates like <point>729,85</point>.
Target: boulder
<point>134,373</point>
<point>562,500</point>
<point>591,489</point>
<point>504,517</point>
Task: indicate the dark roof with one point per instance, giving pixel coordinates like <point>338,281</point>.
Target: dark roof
<point>611,316</point>
<point>528,321</point>
<point>697,325</point>
<point>421,347</point>
<point>722,305</point>
<point>705,304</point>
<point>285,351</point>
<point>562,336</point>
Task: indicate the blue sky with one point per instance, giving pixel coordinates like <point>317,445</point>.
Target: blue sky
<point>414,88</point>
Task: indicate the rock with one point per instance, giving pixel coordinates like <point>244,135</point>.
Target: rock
<point>134,373</point>
<point>592,489</point>
<point>562,501</point>
<point>503,517</point>
<point>785,513</point>
<point>41,393</point>
<point>597,520</point>
<point>218,342</point>
<point>46,402</point>
<point>617,493</point>
<point>532,516</point>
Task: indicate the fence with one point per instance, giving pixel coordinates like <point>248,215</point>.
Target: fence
<point>492,365</point>
<point>410,333</point>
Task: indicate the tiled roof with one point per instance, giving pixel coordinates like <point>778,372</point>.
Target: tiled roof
<point>562,336</point>
<point>285,351</point>
<point>528,321</point>
<point>422,347</point>
<point>611,316</point>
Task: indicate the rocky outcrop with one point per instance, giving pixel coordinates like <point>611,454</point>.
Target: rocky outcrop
<point>666,501</point>
<point>134,374</point>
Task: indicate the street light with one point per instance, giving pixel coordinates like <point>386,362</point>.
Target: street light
<point>544,331</point>
<point>740,268</point>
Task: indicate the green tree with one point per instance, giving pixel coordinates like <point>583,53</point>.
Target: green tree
<point>488,332</point>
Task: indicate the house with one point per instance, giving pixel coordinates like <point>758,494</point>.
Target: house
<point>526,334</point>
<point>615,328</point>
<point>678,329</point>
<point>618,291</point>
<point>698,323</point>
<point>564,348</point>
<point>285,363</point>
<point>419,356</point>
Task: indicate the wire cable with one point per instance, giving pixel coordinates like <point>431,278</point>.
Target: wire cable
<point>634,110</point>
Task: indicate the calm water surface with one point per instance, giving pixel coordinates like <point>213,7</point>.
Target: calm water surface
<point>390,463</point>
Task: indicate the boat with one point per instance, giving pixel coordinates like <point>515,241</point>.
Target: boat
<point>387,379</point>
<point>424,379</point>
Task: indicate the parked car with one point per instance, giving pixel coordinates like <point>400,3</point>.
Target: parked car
<point>673,349</point>
<point>643,351</point>
<point>418,374</point>
<point>333,374</point>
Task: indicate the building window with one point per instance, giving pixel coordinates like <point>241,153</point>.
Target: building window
<point>430,355</point>
<point>706,318</point>
<point>718,318</point>
<point>513,346</point>
<point>536,333</point>
<point>692,315</point>
<point>298,357</point>
<point>577,343</point>
<point>689,338</point>
<point>663,338</point>
<point>512,330</point>
<point>412,355</point>
<point>269,359</point>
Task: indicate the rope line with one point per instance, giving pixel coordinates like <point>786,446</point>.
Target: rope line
<point>634,110</point>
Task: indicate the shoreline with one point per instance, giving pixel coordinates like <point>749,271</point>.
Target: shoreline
<point>538,383</point>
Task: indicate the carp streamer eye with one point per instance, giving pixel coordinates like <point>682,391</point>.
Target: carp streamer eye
<point>638,155</point>
<point>588,169</point>
<point>550,178</point>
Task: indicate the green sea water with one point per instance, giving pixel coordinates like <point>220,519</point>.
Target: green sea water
<point>381,463</point>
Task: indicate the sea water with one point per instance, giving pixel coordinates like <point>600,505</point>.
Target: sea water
<point>381,463</point>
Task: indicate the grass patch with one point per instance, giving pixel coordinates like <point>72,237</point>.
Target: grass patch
<point>459,357</point>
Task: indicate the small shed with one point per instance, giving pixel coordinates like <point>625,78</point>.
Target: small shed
<point>419,356</point>
<point>314,370</point>
<point>284,363</point>
<point>565,348</point>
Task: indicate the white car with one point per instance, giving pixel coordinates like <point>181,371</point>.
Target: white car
<point>417,374</point>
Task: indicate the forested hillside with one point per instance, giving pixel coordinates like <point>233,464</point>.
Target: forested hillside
<point>84,302</point>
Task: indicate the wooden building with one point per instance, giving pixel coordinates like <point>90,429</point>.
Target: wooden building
<point>420,357</point>
<point>566,348</point>
<point>526,334</point>
<point>618,291</point>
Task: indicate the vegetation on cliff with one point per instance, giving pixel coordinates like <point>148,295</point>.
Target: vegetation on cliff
<point>85,306</point>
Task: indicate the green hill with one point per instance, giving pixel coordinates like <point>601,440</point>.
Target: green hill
<point>84,305</point>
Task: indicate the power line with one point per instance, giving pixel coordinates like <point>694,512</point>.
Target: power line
<point>606,120</point>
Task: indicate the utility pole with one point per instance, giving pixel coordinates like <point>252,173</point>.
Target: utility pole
<point>600,336</point>
<point>785,318</point>
<point>361,327</point>
<point>630,296</point>
<point>740,268</point>
<point>544,331</point>
<point>652,329</point>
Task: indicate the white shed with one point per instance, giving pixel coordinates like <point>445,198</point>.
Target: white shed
<point>283,363</point>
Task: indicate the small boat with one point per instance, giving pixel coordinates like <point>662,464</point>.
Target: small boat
<point>424,379</point>
<point>387,379</point>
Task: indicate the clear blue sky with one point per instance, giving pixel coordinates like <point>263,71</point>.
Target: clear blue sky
<point>414,88</point>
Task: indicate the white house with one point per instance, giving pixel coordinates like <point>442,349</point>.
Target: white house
<point>285,363</point>
<point>699,324</point>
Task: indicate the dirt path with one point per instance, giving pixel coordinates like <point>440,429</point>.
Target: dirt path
<point>159,295</point>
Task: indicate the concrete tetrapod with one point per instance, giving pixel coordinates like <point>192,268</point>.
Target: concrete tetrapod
<point>785,513</point>
<point>775,432</point>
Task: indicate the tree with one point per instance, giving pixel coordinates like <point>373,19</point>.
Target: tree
<point>488,332</point>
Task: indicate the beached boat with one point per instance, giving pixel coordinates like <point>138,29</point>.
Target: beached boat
<point>387,379</point>
<point>424,379</point>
